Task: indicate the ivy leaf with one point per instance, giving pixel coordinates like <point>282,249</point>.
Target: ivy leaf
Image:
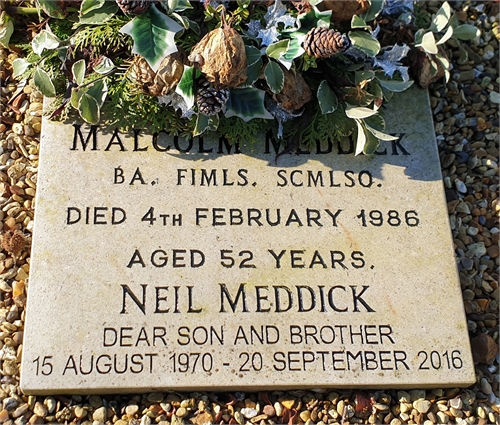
<point>278,49</point>
<point>44,83</point>
<point>466,32</point>
<point>247,103</point>
<point>294,49</point>
<point>153,34</point>
<point>253,55</point>
<point>441,18</point>
<point>104,66</point>
<point>428,43</point>
<point>374,10</point>
<point>328,102</point>
<point>99,15</point>
<point>275,76</point>
<point>51,8</point>
<point>395,86</point>
<point>176,5</point>
<point>185,88</point>
<point>89,108</point>
<point>19,66</point>
<point>78,70</point>
<point>44,40</point>
<point>204,123</point>
<point>365,42</point>
<point>314,18</point>
<point>359,112</point>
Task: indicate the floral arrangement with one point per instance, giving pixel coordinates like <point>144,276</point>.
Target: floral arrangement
<point>304,70</point>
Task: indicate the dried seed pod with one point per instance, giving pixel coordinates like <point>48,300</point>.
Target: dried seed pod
<point>168,75</point>
<point>142,73</point>
<point>13,241</point>
<point>344,10</point>
<point>323,42</point>
<point>221,56</point>
<point>296,93</point>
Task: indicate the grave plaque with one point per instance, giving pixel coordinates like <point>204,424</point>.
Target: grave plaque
<point>163,263</point>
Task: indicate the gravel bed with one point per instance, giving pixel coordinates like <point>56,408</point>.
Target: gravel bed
<point>467,128</point>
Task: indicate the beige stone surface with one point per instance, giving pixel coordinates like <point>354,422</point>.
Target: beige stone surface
<point>364,292</point>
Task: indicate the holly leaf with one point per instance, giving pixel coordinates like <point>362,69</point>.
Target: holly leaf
<point>185,88</point>
<point>247,103</point>
<point>365,42</point>
<point>44,40</point>
<point>43,83</point>
<point>98,13</point>
<point>89,108</point>
<point>52,8</point>
<point>328,102</point>
<point>153,34</point>
<point>275,76</point>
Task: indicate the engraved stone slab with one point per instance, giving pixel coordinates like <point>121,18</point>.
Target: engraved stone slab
<point>163,263</point>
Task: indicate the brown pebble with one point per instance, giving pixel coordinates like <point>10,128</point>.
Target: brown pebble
<point>493,251</point>
<point>269,410</point>
<point>484,348</point>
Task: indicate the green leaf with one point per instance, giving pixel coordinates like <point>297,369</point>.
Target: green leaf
<point>380,135</point>
<point>247,103</point>
<point>372,143</point>
<point>6,29</point>
<point>78,70</point>
<point>418,36</point>
<point>365,42</point>
<point>186,86</point>
<point>44,83</point>
<point>328,102</point>
<point>253,55</point>
<point>153,34</point>
<point>104,66</point>
<point>358,23</point>
<point>375,121</point>
<point>466,32</point>
<point>19,66</point>
<point>98,90</point>
<point>361,76</point>
<point>90,5</point>
<point>314,18</point>
<point>395,86</point>
<point>441,18</point>
<point>51,8</point>
<point>275,76</point>
<point>89,109</point>
<point>100,15</point>
<point>359,112</point>
<point>373,11</point>
<point>445,63</point>
<point>360,138</point>
<point>253,74</point>
<point>278,49</point>
<point>44,40</point>
<point>447,35</point>
<point>202,123</point>
<point>428,43</point>
<point>176,5</point>
<point>294,49</point>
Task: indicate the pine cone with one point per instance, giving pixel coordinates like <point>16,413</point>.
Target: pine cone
<point>210,100</point>
<point>133,7</point>
<point>323,43</point>
<point>13,241</point>
<point>142,73</point>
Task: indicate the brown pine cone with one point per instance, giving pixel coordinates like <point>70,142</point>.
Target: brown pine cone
<point>210,100</point>
<point>323,42</point>
<point>133,7</point>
